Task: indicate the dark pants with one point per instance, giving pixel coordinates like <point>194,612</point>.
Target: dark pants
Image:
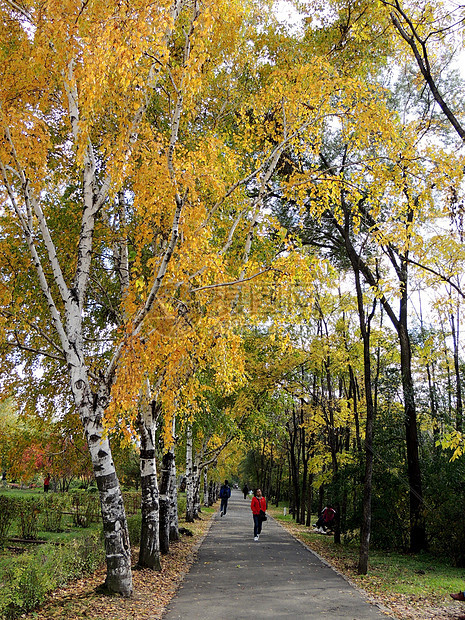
<point>323,524</point>
<point>257,525</point>
<point>224,505</point>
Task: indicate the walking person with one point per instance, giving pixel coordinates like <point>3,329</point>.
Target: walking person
<point>225,494</point>
<point>258,507</point>
<point>245,490</point>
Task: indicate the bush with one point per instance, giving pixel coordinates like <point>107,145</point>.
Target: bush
<point>444,504</point>
<point>132,501</point>
<point>86,508</point>
<point>134,527</point>
<point>181,503</point>
<point>29,510</point>
<point>31,577</point>
<point>7,513</point>
<point>27,586</point>
<point>52,512</point>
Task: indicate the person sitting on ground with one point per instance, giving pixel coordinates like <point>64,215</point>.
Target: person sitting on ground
<point>225,494</point>
<point>325,520</point>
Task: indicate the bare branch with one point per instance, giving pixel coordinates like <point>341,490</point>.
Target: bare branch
<point>241,281</point>
<point>412,38</point>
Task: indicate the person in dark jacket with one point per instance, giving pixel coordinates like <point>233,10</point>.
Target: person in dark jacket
<point>225,494</point>
<point>245,490</point>
<point>258,507</point>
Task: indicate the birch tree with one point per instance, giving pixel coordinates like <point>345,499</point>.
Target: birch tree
<point>69,155</point>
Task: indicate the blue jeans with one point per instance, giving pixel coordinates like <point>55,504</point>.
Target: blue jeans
<point>257,525</point>
<point>224,505</point>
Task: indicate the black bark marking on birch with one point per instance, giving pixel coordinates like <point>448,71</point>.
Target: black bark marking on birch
<point>94,438</point>
<point>106,482</point>
<point>147,454</point>
<point>102,454</point>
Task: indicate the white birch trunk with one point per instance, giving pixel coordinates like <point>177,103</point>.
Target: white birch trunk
<point>164,529</point>
<point>205,486</point>
<point>173,501</point>
<point>149,554</point>
<point>190,490</point>
<point>196,478</point>
<point>91,409</point>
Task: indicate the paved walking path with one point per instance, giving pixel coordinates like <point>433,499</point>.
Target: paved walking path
<point>236,578</point>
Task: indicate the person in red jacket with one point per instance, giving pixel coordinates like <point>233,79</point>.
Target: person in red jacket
<point>258,504</point>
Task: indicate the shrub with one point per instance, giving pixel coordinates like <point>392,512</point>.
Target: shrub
<point>86,508</point>
<point>52,512</point>
<point>134,527</point>
<point>181,503</point>
<point>32,576</point>
<point>132,501</point>
<point>7,513</point>
<point>27,586</point>
<point>29,510</point>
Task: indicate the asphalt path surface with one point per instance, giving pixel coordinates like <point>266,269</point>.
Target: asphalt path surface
<point>235,578</point>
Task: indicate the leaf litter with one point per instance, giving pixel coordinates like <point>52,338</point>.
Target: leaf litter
<point>153,590</point>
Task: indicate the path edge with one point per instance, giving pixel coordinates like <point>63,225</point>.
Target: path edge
<point>190,562</point>
<point>370,598</point>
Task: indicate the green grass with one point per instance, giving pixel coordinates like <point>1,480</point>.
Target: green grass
<point>21,492</point>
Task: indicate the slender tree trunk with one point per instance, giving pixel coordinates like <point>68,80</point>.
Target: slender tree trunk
<point>305,457</point>
<point>190,489</point>
<point>173,499</point>
<point>294,469</point>
<point>279,476</point>
<point>353,394</point>
<point>196,477</point>
<point>365,530</point>
<point>91,409</point>
<point>205,487</point>
<point>149,555</point>
<point>448,370</point>
<point>321,495</point>
<point>308,522</point>
<point>455,326</point>
<point>168,456</point>
<point>333,447</point>
<point>417,522</point>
